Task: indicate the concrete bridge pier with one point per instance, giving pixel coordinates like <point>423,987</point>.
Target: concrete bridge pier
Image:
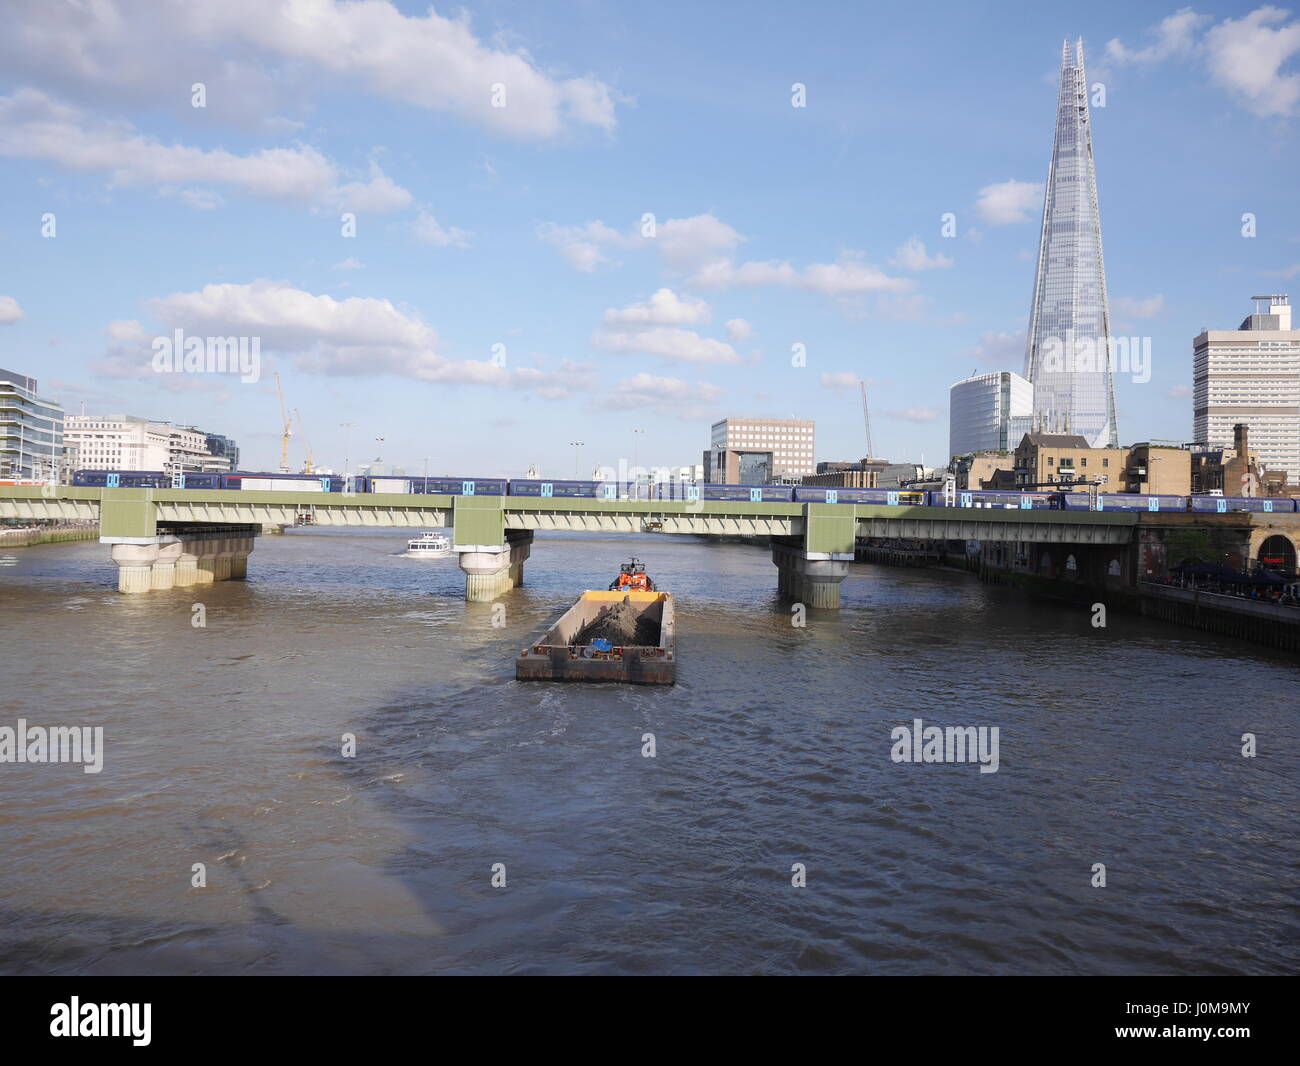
<point>810,578</point>
<point>206,571</point>
<point>164,567</point>
<point>490,571</point>
<point>239,558</point>
<point>135,566</point>
<point>223,552</point>
<point>187,567</point>
<point>180,557</point>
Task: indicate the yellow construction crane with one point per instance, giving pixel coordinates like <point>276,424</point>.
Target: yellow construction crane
<point>308,464</point>
<point>287,432</point>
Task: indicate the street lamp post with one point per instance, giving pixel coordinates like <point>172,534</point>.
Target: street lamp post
<point>347,428</point>
<point>575,445</point>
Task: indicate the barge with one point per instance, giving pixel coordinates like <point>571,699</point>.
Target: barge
<point>621,635</point>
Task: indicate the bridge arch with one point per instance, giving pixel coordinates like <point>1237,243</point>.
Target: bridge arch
<point>1275,551</point>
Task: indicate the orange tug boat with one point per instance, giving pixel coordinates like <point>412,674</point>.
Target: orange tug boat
<point>623,634</point>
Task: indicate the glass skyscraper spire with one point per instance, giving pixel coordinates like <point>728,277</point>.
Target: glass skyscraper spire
<point>1067,356</point>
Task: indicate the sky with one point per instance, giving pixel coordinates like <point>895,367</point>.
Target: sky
<point>486,232</point>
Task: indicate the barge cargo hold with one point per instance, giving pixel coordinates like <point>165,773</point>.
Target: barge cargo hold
<point>574,649</point>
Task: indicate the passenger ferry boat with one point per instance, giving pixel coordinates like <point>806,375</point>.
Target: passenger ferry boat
<point>428,545</point>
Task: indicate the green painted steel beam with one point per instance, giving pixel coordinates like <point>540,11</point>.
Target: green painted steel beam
<point>990,514</point>
<point>828,529</point>
<point>653,507</point>
<point>433,501</point>
<point>127,513</point>
<point>478,520</point>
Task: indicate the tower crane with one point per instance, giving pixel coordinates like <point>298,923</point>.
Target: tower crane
<point>308,462</point>
<point>866,419</point>
<point>287,429</point>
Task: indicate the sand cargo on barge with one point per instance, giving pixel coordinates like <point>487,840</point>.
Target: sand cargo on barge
<point>622,635</point>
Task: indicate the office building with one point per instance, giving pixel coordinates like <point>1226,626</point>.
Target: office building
<point>1251,376</point>
<point>1044,461</point>
<point>982,411</point>
<point>124,442</point>
<point>31,431</point>
<point>754,451</point>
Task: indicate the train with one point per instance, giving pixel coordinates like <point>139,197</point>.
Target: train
<point>671,490</point>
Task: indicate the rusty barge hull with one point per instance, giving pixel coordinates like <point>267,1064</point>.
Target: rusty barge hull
<point>555,657</point>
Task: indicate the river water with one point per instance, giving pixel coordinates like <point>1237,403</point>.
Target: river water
<point>1118,746</point>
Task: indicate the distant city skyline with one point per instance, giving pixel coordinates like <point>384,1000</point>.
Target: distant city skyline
<point>640,230</point>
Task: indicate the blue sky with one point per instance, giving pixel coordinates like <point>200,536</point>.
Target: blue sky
<point>521,225</point>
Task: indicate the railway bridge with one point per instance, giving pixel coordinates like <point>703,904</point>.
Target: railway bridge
<point>161,538</point>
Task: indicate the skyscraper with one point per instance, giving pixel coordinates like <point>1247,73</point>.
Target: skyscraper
<point>1067,356</point>
<point>1250,377</point>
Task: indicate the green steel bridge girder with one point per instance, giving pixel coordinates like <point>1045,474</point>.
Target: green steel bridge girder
<point>485,520</point>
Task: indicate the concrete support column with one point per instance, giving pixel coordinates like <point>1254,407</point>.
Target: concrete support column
<point>187,566</point>
<point>490,571</point>
<point>810,578</point>
<point>164,568</point>
<point>222,554</point>
<point>206,571</point>
<point>134,566</point>
<point>239,560</point>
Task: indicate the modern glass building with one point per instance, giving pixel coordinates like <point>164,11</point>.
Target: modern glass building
<point>1067,356</point>
<point>983,411</point>
<point>31,431</point>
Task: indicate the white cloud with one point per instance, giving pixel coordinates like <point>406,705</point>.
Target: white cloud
<point>997,351</point>
<point>686,244</point>
<point>915,414</point>
<point>9,310</point>
<point>202,199</point>
<point>249,48</point>
<point>665,307</point>
<point>1175,35</point>
<point>840,381</point>
<point>848,276</point>
<point>36,126</point>
<point>428,231</point>
<point>357,336</point>
<point>583,246</point>
<point>686,399</point>
<point>1179,392</point>
<point>912,256</point>
<point>1129,307</point>
<point>349,264</point>
<point>1246,55</point>
<point>703,246</point>
<point>675,345</point>
<point>738,330</point>
<point>1008,202</point>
